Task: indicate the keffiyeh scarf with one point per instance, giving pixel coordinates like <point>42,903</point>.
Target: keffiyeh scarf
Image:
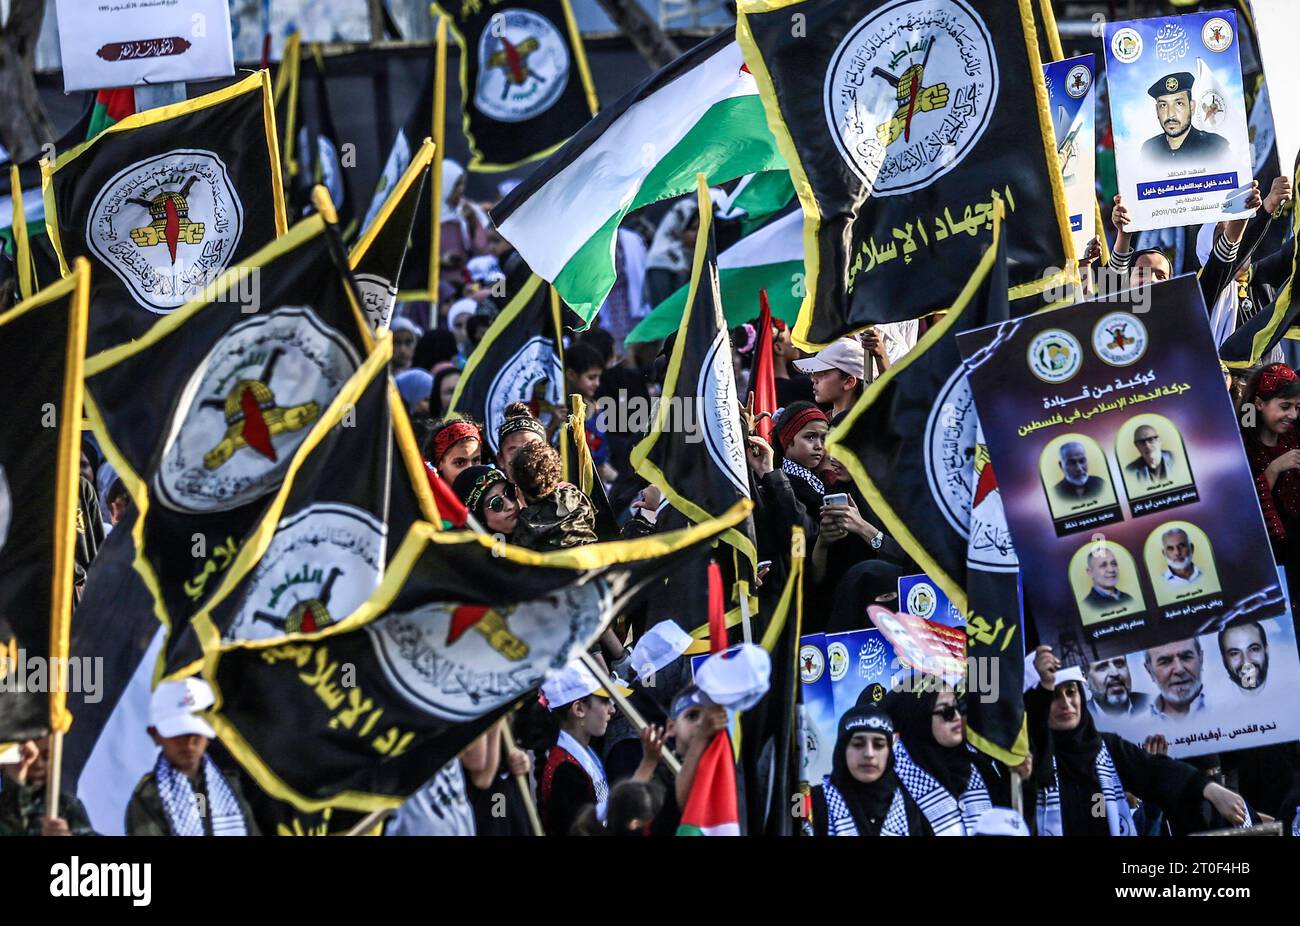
<point>792,468</point>
<point>181,804</point>
<point>1119,819</point>
<point>840,822</point>
<point>593,767</point>
<point>948,816</point>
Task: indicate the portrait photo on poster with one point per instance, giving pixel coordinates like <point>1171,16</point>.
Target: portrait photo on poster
<point>1178,113</point>
<point>1212,693</point>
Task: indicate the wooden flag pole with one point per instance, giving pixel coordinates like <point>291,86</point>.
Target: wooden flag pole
<point>439,141</point>
<point>534,820</point>
<point>54,778</point>
<point>632,714</point>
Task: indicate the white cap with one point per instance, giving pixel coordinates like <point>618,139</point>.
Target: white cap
<point>660,645</point>
<point>573,683</point>
<point>737,677</point>
<point>1000,821</point>
<point>174,705</point>
<point>1070,674</point>
<point>458,308</point>
<point>484,268</point>
<point>845,355</point>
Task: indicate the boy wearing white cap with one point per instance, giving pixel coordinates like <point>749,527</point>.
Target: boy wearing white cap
<point>573,775</point>
<point>837,372</point>
<point>186,794</point>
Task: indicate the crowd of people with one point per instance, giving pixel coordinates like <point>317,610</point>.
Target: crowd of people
<point>901,767</point>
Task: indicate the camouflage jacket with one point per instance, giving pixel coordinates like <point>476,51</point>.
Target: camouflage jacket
<point>22,808</point>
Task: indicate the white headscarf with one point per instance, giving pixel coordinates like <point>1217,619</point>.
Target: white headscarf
<point>451,208</point>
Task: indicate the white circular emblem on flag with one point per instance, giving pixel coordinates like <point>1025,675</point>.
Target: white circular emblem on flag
<point>837,654</point>
<point>909,91</point>
<point>458,662</point>
<point>322,564</point>
<point>377,298</point>
<point>248,407</point>
<point>6,508</point>
<point>523,66</point>
<point>950,451</point>
<point>720,427</point>
<point>1120,339</point>
<point>532,376</point>
<point>167,226</point>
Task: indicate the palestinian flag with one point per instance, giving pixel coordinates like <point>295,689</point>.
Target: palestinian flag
<point>756,198</point>
<point>163,202</point>
<point>461,629</point>
<point>235,400</point>
<point>43,341</point>
<point>769,259</point>
<point>1253,340</point>
<point>700,114</point>
<point>524,82</point>
<point>900,120</point>
<point>518,360</point>
<point>110,108</point>
<point>769,749</point>
<point>713,808</point>
<point>695,451</point>
<point>377,258</point>
<point>413,282</point>
<point>914,448</point>
<point>581,470</point>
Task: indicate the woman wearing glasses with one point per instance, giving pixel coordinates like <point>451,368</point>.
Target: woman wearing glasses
<point>490,498</point>
<point>949,781</point>
<point>1076,765</point>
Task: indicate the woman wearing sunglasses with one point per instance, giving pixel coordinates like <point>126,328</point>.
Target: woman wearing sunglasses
<point>862,795</point>
<point>490,497</point>
<point>1075,764</point>
<point>946,777</point>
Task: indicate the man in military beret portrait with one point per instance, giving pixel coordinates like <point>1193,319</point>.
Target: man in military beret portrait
<point>1180,140</point>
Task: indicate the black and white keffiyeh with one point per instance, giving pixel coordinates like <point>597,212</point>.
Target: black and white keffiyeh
<point>792,468</point>
<point>840,822</point>
<point>182,806</point>
<point>1119,819</point>
<point>948,816</point>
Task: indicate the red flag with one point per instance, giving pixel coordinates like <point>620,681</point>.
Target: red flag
<point>763,378</point>
<point>717,611</point>
<point>453,511</point>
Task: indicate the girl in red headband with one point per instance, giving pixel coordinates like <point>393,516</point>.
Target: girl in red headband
<point>453,446</point>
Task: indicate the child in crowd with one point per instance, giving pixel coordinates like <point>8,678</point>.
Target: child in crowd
<point>558,515</point>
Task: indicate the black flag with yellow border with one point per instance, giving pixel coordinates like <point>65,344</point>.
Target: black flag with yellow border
<point>695,451</point>
<point>461,629</point>
<point>901,120</point>
<point>165,201</point>
<point>1266,329</point>
<point>241,386</point>
<point>524,82</point>
<point>326,540</point>
<point>914,447</point>
<point>43,340</point>
<point>379,254</point>
<point>520,359</point>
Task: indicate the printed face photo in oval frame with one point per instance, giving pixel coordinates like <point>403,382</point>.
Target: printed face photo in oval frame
<point>1180,562</point>
<point>1149,439</point>
<point>1104,578</point>
<point>1075,475</point>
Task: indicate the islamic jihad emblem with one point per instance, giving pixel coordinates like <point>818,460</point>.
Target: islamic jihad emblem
<point>253,418</point>
<point>248,407</point>
<point>171,224</point>
<point>523,66</point>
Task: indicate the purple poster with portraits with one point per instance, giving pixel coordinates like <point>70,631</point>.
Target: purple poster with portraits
<point>1122,471</point>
